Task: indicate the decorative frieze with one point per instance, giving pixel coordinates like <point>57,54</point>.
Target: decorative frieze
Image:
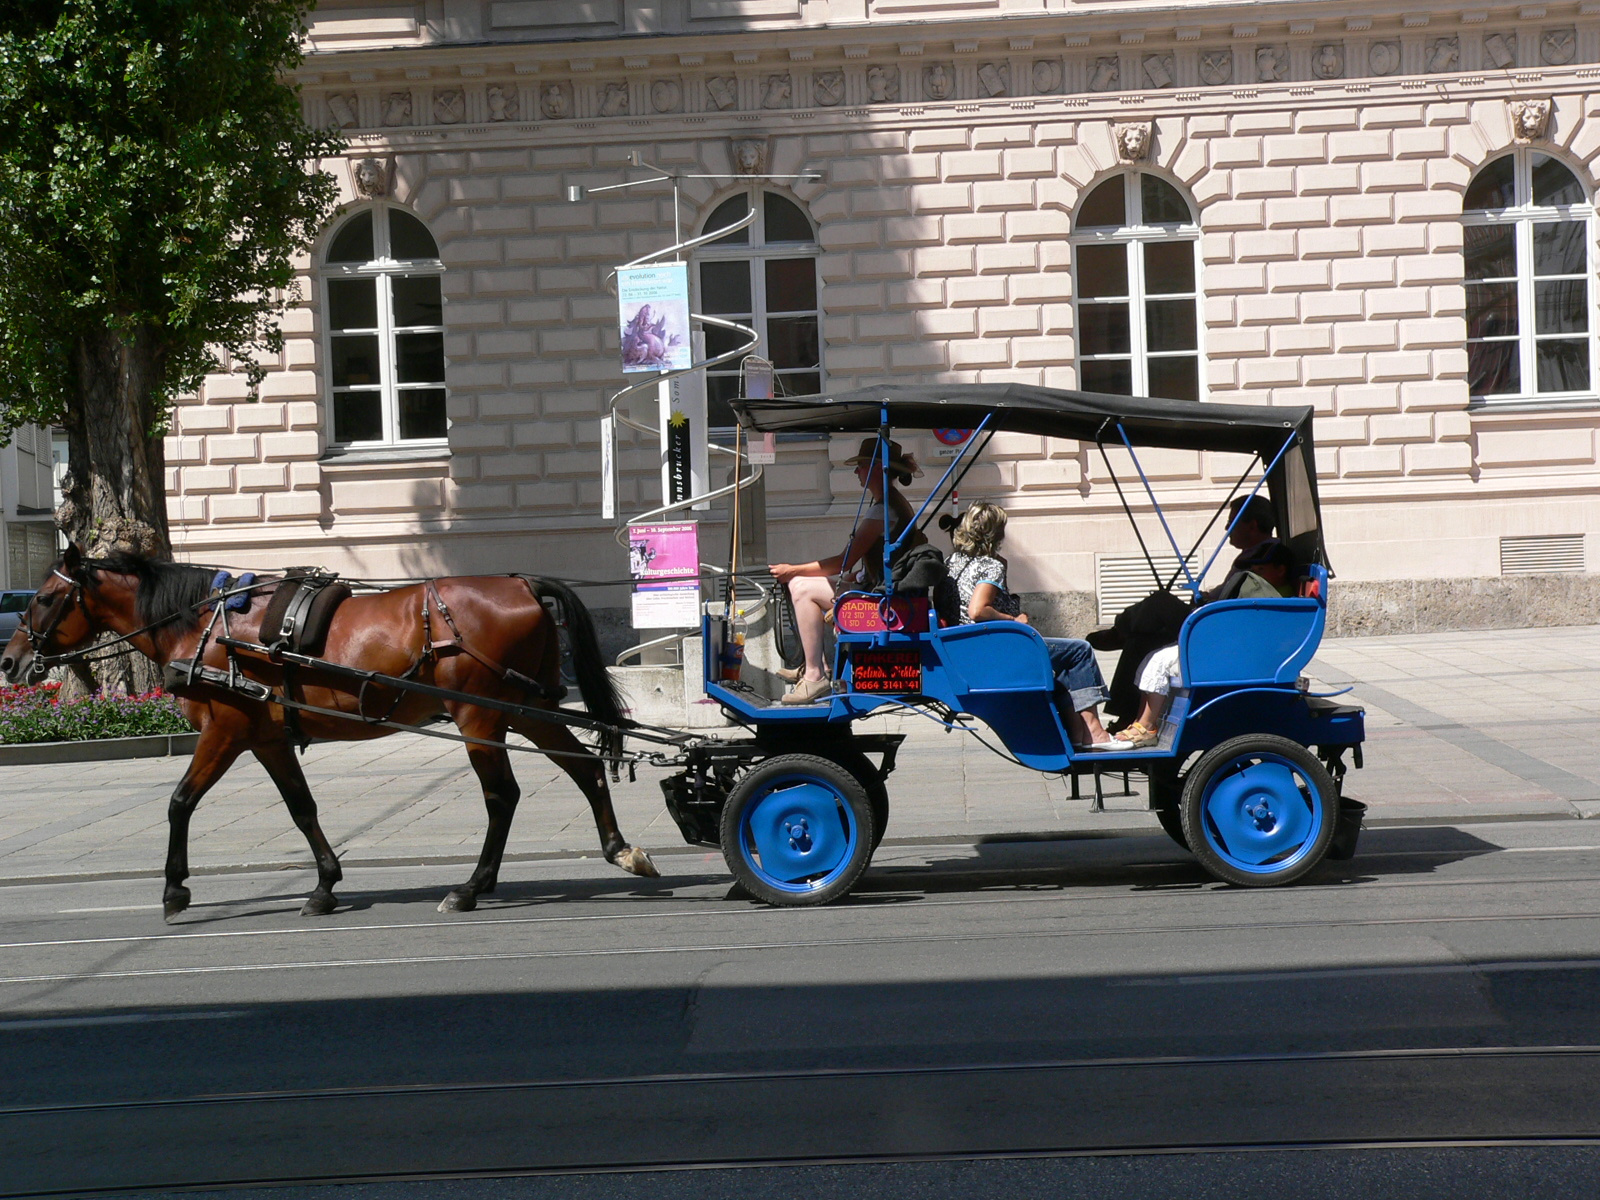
<point>1092,63</point>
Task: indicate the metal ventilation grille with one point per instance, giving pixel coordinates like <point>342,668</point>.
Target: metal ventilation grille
<point>1122,579</point>
<point>1542,555</point>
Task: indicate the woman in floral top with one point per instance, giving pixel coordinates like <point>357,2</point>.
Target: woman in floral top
<point>980,577</point>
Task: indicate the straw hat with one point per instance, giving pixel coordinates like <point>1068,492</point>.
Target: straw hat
<point>900,463</point>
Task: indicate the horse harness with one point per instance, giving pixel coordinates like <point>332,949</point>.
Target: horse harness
<point>295,625</point>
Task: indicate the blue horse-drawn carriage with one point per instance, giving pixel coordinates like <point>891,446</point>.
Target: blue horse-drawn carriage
<point>1248,767</point>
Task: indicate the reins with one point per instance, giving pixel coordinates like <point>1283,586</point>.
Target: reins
<point>104,651</point>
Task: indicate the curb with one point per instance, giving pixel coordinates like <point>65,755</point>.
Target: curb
<point>160,745</point>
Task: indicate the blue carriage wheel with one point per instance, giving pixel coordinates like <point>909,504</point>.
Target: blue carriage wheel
<point>799,834</point>
<point>1260,815</point>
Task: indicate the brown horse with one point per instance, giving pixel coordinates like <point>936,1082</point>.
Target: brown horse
<point>488,637</point>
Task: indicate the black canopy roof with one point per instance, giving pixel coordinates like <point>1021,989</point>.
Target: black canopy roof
<point>1047,412</point>
<point>1084,416</point>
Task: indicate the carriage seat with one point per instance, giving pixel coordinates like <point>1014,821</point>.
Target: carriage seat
<point>299,613</point>
<point>1243,643</point>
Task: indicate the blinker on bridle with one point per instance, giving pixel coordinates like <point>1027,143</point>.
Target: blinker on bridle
<point>36,639</point>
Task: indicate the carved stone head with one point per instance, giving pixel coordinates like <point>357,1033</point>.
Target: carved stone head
<point>1133,141</point>
<point>371,178</point>
<point>1530,120</point>
<point>750,156</point>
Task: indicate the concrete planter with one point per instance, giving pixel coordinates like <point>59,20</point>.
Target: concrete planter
<point>158,745</point>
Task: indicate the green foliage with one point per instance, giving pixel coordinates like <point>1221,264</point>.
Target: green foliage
<point>36,714</point>
<point>155,174</point>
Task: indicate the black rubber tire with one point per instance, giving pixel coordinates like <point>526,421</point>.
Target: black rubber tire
<point>1172,821</point>
<point>1219,758</point>
<point>1166,801</point>
<point>859,765</point>
<point>752,786</point>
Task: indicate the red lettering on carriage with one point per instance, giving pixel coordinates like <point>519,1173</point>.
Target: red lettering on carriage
<point>877,670</point>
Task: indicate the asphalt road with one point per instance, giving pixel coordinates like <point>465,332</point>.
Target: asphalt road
<point>1086,1016</point>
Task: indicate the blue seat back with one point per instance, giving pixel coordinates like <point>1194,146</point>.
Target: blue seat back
<point>1250,642</point>
<point>995,656</point>
<point>999,671</point>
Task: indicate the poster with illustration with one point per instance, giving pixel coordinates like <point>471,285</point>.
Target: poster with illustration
<point>654,307</point>
<point>666,551</point>
<point>665,560</point>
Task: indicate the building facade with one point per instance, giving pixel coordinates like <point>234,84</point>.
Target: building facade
<point>28,500</point>
<point>1388,217</point>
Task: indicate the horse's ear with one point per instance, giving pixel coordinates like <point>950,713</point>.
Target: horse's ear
<point>72,559</point>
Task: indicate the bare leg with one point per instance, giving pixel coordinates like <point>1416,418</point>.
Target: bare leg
<point>280,761</point>
<point>813,600</point>
<point>213,755</point>
<point>588,772</point>
<point>1153,708</point>
<point>1095,731</point>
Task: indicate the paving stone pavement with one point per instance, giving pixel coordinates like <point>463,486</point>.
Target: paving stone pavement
<point>1460,726</point>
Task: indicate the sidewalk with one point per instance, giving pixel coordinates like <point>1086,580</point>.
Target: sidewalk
<point>1460,727</point>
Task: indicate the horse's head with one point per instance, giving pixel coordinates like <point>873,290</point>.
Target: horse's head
<point>55,621</point>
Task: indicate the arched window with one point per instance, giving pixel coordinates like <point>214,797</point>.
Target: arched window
<point>1526,233</point>
<point>1134,247</point>
<point>385,330</point>
<point>763,276</point>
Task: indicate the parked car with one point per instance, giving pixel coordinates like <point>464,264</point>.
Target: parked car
<point>12,606</point>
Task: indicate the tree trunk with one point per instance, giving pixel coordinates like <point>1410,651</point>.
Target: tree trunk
<point>114,495</point>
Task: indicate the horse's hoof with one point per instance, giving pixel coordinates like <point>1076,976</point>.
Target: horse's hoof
<point>319,904</point>
<point>174,902</point>
<point>458,902</point>
<point>635,861</point>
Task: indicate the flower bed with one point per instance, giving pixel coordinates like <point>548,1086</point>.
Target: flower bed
<point>36,714</point>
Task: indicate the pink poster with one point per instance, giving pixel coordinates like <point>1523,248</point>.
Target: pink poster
<point>668,551</point>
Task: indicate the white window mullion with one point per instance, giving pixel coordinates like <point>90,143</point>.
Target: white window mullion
<point>386,359</point>
<point>1138,340</point>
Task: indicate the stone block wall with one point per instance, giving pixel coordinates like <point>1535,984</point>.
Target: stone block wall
<point>1331,274</point>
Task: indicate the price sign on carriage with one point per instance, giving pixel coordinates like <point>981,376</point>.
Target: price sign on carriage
<point>664,560</point>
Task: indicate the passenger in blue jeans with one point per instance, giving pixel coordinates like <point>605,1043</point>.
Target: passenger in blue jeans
<point>979,574</point>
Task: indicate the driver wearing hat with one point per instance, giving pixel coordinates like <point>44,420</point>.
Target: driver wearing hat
<point>812,586</point>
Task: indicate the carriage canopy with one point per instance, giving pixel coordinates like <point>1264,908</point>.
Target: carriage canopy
<point>1281,436</point>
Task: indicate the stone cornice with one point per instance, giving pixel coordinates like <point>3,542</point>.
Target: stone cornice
<point>1226,52</point>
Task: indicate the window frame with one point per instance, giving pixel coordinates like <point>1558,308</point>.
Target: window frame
<point>756,252</point>
<point>1132,235</point>
<point>1522,216</point>
<point>383,269</point>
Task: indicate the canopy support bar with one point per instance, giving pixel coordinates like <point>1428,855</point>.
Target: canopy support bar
<point>1265,475</point>
<point>1161,516</point>
<point>1128,512</point>
<point>1232,492</point>
<point>928,505</point>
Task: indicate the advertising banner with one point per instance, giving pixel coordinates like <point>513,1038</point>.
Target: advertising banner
<point>665,560</point>
<point>684,469</point>
<point>654,313</point>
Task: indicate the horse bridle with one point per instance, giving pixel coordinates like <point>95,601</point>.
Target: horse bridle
<point>38,639</point>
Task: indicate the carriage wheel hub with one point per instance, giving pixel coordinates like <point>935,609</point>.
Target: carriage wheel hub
<point>799,831</point>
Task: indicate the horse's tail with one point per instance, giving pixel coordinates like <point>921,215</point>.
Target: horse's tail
<point>599,691</point>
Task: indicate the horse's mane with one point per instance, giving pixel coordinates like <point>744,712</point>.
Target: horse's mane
<point>167,591</point>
